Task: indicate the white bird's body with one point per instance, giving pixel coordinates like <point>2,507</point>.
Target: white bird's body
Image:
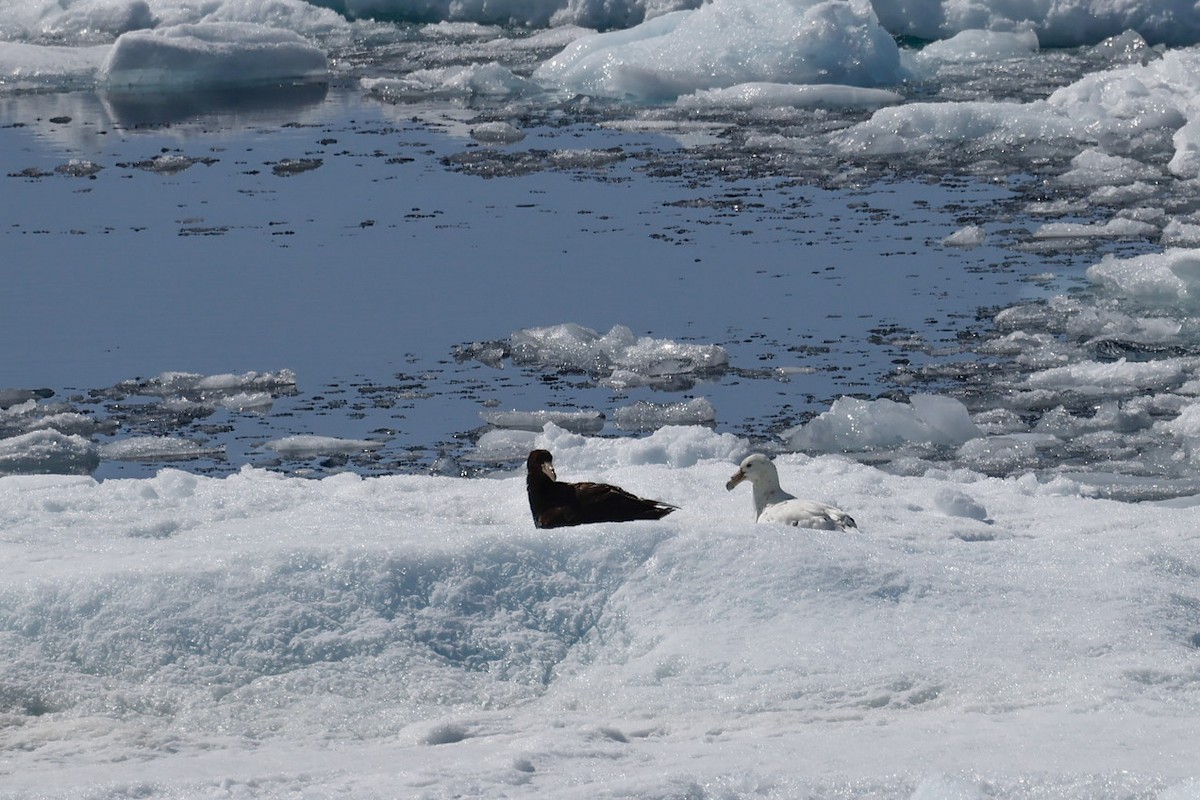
<point>773,504</point>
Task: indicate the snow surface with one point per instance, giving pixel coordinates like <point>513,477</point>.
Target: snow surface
<point>415,636</point>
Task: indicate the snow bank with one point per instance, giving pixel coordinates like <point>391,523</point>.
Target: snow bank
<point>415,636</point>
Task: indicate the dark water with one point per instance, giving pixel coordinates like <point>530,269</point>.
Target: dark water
<point>362,245</point>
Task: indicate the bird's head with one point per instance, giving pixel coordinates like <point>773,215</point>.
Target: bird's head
<point>539,463</point>
<point>755,468</point>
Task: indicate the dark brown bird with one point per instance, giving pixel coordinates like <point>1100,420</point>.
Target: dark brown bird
<point>556,504</point>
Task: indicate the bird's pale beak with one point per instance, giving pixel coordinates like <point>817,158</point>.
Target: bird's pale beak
<point>737,478</point>
<point>548,468</point>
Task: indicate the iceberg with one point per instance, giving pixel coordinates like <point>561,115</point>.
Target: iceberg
<point>852,424</point>
<point>48,452</point>
<point>311,446</point>
<point>211,54</point>
<point>729,42</point>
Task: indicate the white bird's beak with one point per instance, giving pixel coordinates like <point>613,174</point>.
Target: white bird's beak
<point>737,478</point>
<point>548,468</point>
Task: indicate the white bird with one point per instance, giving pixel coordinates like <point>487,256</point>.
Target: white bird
<point>773,504</point>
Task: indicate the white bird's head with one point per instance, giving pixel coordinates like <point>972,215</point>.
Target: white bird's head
<point>757,469</point>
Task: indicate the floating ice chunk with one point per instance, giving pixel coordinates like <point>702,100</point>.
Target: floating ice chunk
<point>48,452</point>
<point>308,446</point>
<point>513,13</point>
<point>1114,378</point>
<point>776,95</point>
<point>1002,455</point>
<point>69,422</point>
<point>485,80</point>
<point>78,168</point>
<point>584,158</point>
<point>976,46</point>
<point>851,424</point>
<point>1113,229</point>
<point>1178,233</point>
<point>998,421</point>
<point>1118,104</point>
<point>95,18</point>
<point>1171,278</point>
<point>1185,163</point>
<point>966,236</point>
<point>157,448</point>
<point>658,356</point>
<point>190,384</point>
<point>643,416</point>
<point>622,380</point>
<point>505,444</point>
<point>729,42</point>
<point>1057,23</point>
<point>575,348</point>
<point>497,133</point>
<point>93,21</point>
<point>247,401</point>
<point>210,54</point>
<point>1127,194</point>
<point>1130,100</point>
<point>1056,208</point>
<point>1095,168</point>
<point>919,127</point>
<point>15,397</point>
<point>1185,426</point>
<point>1109,416</point>
<point>570,346</point>
<point>24,66</point>
<point>461,30</point>
<point>574,421</point>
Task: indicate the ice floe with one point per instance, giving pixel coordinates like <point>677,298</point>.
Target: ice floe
<point>212,54</point>
<point>730,42</point>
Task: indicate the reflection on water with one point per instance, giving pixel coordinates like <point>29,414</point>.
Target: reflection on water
<point>223,109</point>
